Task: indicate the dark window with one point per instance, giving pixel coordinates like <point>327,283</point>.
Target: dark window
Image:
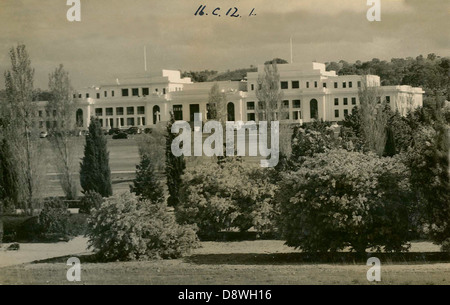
<point>106,93</point>
<point>307,84</point>
<point>315,84</point>
<point>335,85</point>
<point>285,104</point>
<point>345,112</point>
<point>98,95</point>
<point>119,111</point>
<point>112,93</point>
<point>145,91</point>
<point>141,110</point>
<point>74,96</point>
<point>135,91</point>
<point>314,109</point>
<point>284,85</point>
<point>345,101</point>
<point>296,104</point>
<point>295,84</point>
<point>336,113</point>
<point>295,115</point>
<point>324,85</point>
<point>143,121</point>
<point>109,111</point>
<point>388,99</point>
<point>350,84</point>
<point>178,112</point>
<point>344,85</point>
<point>40,113</point>
<point>250,116</point>
<point>130,121</point>
<point>98,111</point>
<point>252,86</point>
<point>87,95</point>
<point>164,90</point>
<point>250,105</point>
<point>336,102</point>
<point>79,95</point>
<point>359,84</point>
<point>353,100</point>
<point>130,110</point>
<point>101,122</point>
<point>125,92</point>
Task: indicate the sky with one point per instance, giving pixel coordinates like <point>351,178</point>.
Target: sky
<point>110,38</point>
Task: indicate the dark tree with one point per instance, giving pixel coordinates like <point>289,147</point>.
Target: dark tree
<point>95,174</point>
<point>9,183</point>
<point>146,185</point>
<point>175,167</point>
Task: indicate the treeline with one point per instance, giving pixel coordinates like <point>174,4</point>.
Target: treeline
<point>432,73</point>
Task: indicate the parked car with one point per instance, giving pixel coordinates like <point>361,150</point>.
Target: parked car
<point>120,135</point>
<point>114,131</point>
<point>43,134</point>
<point>133,130</point>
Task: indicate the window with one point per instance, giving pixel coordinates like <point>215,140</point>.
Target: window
<point>344,85</point>
<point>285,115</point>
<point>79,95</point>
<point>252,86</point>
<point>106,93</point>
<point>353,100</point>
<point>74,96</point>
<point>178,112</point>
<point>336,102</point>
<point>307,84</point>
<point>40,113</point>
<point>336,113</point>
<point>345,101</point>
<point>324,85</point>
<point>164,90</point>
<point>41,124</point>
<point>112,93</point>
<point>261,106</point>
<point>119,111</point>
<point>109,111</point>
<point>388,99</point>
<point>156,89</point>
<point>87,95</point>
<point>130,122</point>
<point>101,122</point>
<point>284,85</point>
<point>141,110</point>
<point>250,105</point>
<point>98,111</point>
<point>296,104</point>
<point>315,84</point>
<point>285,104</point>
<point>143,121</point>
<point>145,91</point>
<point>135,91</point>
<point>350,84</point>
<point>335,85</point>
<point>124,92</point>
<point>250,116</point>
<point>345,112</point>
<point>295,115</point>
<point>295,84</point>
<point>130,110</point>
<point>359,84</point>
<point>98,95</point>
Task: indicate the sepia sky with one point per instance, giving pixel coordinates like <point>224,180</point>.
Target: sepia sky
<point>109,41</point>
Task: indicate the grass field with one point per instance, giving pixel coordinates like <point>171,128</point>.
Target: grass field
<point>241,263</point>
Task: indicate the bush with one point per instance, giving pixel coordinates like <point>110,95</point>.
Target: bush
<point>53,219</point>
<point>340,199</point>
<point>125,228</point>
<point>120,135</point>
<point>77,224</point>
<point>91,200</point>
<point>227,196</point>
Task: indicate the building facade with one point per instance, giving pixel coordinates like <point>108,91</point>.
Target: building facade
<point>309,92</point>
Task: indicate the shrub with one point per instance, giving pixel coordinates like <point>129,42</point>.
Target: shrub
<point>340,199</point>
<point>147,184</point>
<point>77,224</point>
<point>91,200</point>
<point>125,228</point>
<point>227,196</point>
<point>53,219</point>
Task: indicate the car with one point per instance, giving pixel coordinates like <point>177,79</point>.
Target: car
<point>43,134</point>
<point>133,130</point>
<point>120,135</point>
<point>114,131</point>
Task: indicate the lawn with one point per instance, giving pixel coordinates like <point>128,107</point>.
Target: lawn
<point>241,263</point>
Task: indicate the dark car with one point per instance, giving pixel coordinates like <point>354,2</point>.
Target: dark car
<point>114,131</point>
<point>133,130</point>
<point>120,135</point>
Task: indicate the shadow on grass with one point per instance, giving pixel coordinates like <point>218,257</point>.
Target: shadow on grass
<point>313,258</point>
<point>84,258</point>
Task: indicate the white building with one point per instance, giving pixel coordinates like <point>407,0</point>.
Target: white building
<point>309,92</point>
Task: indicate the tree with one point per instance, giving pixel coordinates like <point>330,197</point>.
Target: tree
<point>95,174</point>
<point>269,94</point>
<point>21,127</point>
<point>216,104</point>
<point>175,167</point>
<point>373,118</point>
<point>146,185</point>
<point>276,61</point>
<point>62,106</point>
